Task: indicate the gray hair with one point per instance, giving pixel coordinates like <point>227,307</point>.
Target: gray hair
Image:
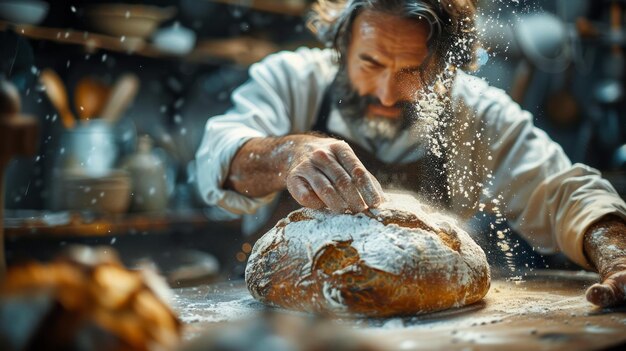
<point>451,24</point>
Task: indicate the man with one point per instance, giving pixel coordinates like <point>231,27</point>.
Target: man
<point>391,103</point>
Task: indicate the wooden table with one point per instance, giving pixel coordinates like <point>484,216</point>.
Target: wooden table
<point>546,310</point>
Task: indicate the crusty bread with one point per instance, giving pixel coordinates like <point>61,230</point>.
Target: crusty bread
<point>86,300</point>
<point>393,261</point>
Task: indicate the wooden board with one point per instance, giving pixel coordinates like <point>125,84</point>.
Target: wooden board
<point>544,310</point>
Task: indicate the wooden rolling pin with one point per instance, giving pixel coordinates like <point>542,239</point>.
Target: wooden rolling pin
<point>18,137</point>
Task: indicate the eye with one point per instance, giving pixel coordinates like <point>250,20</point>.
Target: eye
<point>369,65</point>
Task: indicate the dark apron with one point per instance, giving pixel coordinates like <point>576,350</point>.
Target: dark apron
<point>426,177</point>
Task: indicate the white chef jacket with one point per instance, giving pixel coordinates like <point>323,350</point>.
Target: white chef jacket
<point>545,198</point>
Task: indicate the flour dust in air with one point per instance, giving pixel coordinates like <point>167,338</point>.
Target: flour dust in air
<point>451,134</point>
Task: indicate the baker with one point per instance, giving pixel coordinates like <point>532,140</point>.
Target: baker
<point>390,105</point>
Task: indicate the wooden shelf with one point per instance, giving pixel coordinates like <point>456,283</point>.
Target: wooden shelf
<point>239,50</point>
<point>91,41</point>
<point>74,224</point>
<point>283,7</point>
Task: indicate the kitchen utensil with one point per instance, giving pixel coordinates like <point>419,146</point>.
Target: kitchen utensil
<point>122,94</point>
<point>23,11</point>
<point>55,89</point>
<point>90,147</point>
<point>90,96</point>
<point>127,20</point>
<point>176,39</point>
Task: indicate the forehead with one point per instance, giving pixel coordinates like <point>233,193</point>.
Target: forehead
<point>389,35</point>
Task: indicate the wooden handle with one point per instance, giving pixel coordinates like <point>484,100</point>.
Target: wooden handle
<point>90,96</point>
<point>122,94</point>
<point>55,89</point>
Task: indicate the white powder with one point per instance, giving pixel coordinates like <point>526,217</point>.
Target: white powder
<point>333,296</point>
<point>387,248</point>
<point>210,312</point>
<point>435,123</point>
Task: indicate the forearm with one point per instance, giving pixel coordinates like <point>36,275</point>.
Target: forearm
<point>605,245</point>
<point>260,166</point>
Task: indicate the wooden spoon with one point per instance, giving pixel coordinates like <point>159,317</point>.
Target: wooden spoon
<point>122,94</point>
<point>90,96</point>
<point>55,89</point>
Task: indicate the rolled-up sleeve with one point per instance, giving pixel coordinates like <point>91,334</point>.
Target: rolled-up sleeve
<point>279,98</point>
<point>221,142</point>
<point>544,197</point>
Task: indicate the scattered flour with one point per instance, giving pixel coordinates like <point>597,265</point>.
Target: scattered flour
<point>209,312</point>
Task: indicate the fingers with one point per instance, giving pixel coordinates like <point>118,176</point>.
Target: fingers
<point>301,191</point>
<point>332,176</point>
<point>609,293</point>
<point>326,192</point>
<point>308,186</point>
<point>379,189</point>
<point>365,182</point>
<point>340,179</point>
<point>601,295</point>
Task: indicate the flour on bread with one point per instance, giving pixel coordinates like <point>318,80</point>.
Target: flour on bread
<point>409,253</point>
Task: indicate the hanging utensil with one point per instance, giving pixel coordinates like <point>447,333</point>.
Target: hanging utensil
<point>55,89</point>
<point>122,94</point>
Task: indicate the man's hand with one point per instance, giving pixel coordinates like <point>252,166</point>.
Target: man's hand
<point>605,246</point>
<point>612,290</point>
<point>325,172</point>
<point>318,172</point>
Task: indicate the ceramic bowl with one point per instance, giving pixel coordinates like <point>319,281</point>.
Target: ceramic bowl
<point>107,194</point>
<point>23,11</point>
<point>127,20</point>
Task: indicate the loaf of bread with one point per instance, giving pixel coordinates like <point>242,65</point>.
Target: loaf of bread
<point>86,300</point>
<point>395,260</point>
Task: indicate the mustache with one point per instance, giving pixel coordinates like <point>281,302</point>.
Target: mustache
<point>373,100</point>
<point>353,105</point>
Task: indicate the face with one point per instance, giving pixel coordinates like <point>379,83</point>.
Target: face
<point>384,60</point>
<point>382,76</point>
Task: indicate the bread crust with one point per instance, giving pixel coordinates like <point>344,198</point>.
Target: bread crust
<point>389,263</point>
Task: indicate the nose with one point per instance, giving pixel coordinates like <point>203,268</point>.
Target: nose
<point>386,90</point>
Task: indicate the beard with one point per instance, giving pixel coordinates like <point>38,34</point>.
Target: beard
<point>421,117</point>
<point>353,108</point>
